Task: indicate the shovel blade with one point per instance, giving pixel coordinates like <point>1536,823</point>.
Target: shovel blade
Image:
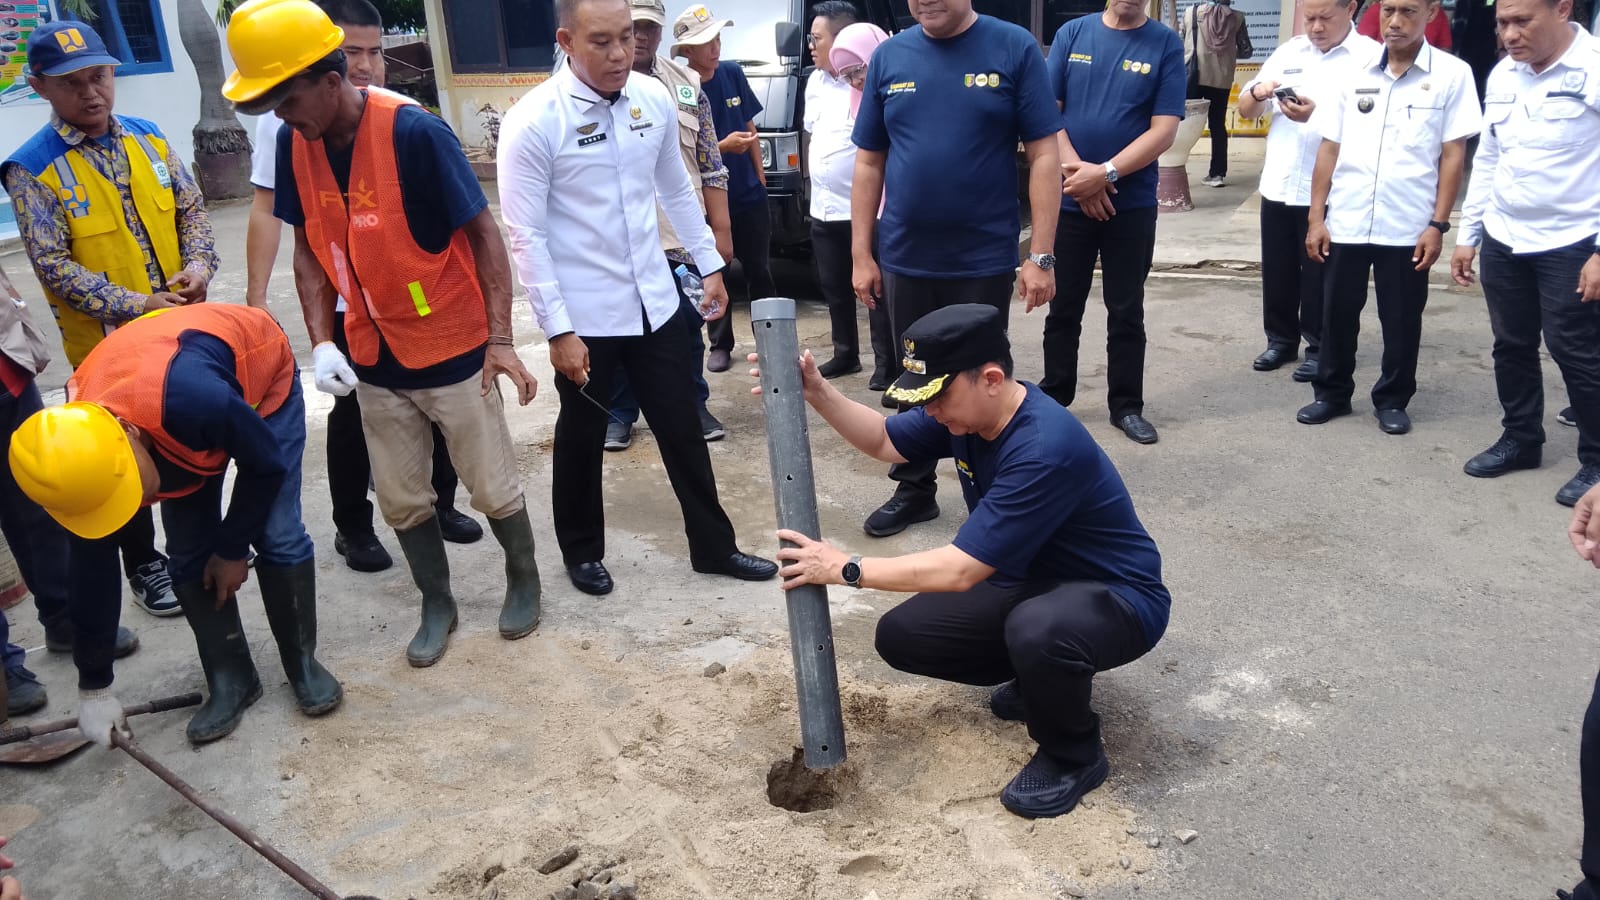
<point>44,749</point>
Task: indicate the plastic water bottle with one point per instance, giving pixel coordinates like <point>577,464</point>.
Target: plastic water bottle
<point>695,290</point>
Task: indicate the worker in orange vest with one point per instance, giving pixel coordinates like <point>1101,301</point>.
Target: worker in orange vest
<point>157,411</point>
<point>388,214</point>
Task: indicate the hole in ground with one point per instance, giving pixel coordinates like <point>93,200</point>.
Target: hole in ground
<point>792,786</point>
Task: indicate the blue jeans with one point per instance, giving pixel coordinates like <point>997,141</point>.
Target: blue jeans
<point>191,521</point>
<point>37,541</point>
<point>624,405</point>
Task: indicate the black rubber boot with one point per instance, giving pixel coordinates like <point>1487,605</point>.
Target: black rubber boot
<point>231,681</point>
<point>430,569</point>
<point>290,597</point>
<point>520,615</point>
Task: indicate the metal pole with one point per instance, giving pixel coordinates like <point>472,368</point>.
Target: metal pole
<point>794,490</point>
<point>164,704</point>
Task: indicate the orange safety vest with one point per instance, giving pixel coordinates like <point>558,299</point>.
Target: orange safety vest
<point>127,372</point>
<point>365,245</point>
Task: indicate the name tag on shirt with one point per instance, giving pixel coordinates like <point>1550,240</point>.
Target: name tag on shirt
<point>1367,90</point>
<point>640,126</point>
<point>591,139</point>
<point>1293,71</point>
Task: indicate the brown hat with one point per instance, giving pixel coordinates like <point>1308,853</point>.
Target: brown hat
<point>696,25</point>
<point>648,11</point>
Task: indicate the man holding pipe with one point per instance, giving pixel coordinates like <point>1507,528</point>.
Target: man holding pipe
<point>1051,579</point>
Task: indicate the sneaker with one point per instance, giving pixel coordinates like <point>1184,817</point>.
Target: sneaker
<point>1567,417</point>
<point>619,436</point>
<point>1505,455</point>
<point>710,428</point>
<point>362,552</point>
<point>1213,181</point>
<point>24,693</point>
<point>901,511</point>
<point>152,587</point>
<point>1046,788</point>
<point>1006,703</point>
<point>1587,477</point>
<point>457,527</point>
<point>59,638</point>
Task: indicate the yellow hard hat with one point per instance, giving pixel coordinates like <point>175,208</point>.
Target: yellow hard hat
<point>273,41</point>
<point>76,462</point>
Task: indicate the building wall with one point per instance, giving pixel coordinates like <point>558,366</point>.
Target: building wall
<point>463,97</point>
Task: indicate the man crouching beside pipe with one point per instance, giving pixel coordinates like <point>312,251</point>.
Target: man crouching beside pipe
<point>1051,579</point>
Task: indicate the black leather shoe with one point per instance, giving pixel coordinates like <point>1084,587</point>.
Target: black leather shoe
<point>901,511</point>
<point>1273,358</point>
<point>591,578</point>
<point>1137,429</point>
<point>1505,456</point>
<point>1321,411</point>
<point>1306,372</point>
<point>1393,421</point>
<point>838,366</point>
<point>1006,703</point>
<point>362,552</point>
<point>879,381</point>
<point>1587,477</point>
<point>738,565</point>
<point>1046,788</point>
<point>458,527</point>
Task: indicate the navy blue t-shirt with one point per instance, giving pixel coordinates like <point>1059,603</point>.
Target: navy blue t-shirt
<point>440,193</point>
<point>949,114</point>
<point>1046,505</point>
<point>733,106</point>
<point>1110,83</point>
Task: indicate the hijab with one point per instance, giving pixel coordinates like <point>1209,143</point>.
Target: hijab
<point>853,46</point>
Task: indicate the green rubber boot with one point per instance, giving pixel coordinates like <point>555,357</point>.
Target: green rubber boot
<point>290,596</point>
<point>430,569</point>
<point>231,680</point>
<point>520,615</point>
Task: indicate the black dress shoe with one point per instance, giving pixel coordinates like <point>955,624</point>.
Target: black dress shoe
<point>458,527</point>
<point>1321,411</point>
<point>1507,455</point>
<point>590,577</point>
<point>1393,421</point>
<point>738,565</point>
<point>839,365</point>
<point>362,552</point>
<point>901,511</point>
<point>1587,477</point>
<point>1306,372</point>
<point>880,380</point>
<point>1273,358</point>
<point>1137,429</point>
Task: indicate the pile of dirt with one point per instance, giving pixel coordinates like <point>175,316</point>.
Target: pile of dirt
<point>464,780</point>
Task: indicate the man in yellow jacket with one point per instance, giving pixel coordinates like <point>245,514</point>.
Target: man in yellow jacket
<point>113,224</point>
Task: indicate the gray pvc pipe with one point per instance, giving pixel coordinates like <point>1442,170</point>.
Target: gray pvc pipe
<point>794,491</point>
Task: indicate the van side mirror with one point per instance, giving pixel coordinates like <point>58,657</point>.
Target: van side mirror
<point>790,41</point>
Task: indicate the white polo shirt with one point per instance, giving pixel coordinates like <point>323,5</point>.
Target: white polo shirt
<point>1390,133</point>
<point>579,179</point>
<point>832,156</point>
<point>264,167</point>
<point>1536,176</point>
<point>1315,76</point>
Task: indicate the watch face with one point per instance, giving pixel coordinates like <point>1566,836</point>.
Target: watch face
<point>852,573</point>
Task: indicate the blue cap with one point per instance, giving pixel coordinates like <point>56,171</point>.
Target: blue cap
<point>56,48</point>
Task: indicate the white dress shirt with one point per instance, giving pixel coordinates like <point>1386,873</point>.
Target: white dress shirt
<point>579,179</point>
<point>1390,133</point>
<point>1315,76</point>
<point>832,156</point>
<point>1536,176</point>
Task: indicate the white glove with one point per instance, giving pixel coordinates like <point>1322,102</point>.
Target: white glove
<point>333,374</point>
<point>99,712</point>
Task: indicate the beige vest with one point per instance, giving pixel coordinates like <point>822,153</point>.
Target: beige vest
<point>684,86</point>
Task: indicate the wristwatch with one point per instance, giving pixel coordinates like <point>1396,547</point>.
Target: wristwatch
<point>851,573</point>
<point>1111,174</point>
<point>1442,226</point>
<point>1045,261</point>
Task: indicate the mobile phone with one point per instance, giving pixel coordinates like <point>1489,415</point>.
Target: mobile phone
<point>1286,93</point>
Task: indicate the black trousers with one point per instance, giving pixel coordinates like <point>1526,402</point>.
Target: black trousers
<point>1125,247</point>
<point>752,247</point>
<point>137,541</point>
<point>1402,293</point>
<point>655,367</point>
<point>830,245</point>
<point>1589,782</point>
<point>1052,638</point>
<point>349,469</point>
<point>1217,124</point>
<point>1533,293</point>
<point>909,298</point>
<point>1291,281</point>
<point>38,542</point>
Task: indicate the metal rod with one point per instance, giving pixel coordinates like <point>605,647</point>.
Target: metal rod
<point>164,704</point>
<point>794,491</point>
<point>301,876</point>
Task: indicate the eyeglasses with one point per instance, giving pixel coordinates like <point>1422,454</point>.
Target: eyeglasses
<point>811,40</point>
<point>853,73</point>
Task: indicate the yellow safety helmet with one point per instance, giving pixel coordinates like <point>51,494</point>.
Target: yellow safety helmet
<point>273,41</point>
<point>76,462</point>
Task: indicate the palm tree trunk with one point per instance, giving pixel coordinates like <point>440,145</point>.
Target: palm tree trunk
<point>221,146</point>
